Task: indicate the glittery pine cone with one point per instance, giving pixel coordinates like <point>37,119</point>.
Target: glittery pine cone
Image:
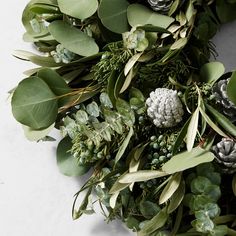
<point>162,6</point>
<point>164,108</point>
<point>225,155</point>
<point>221,98</point>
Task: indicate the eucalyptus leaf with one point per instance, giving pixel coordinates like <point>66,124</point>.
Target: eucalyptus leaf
<point>231,88</point>
<point>80,9</point>
<point>149,209</point>
<point>113,14</point>
<point>67,163</point>
<point>93,109</point>
<point>38,110</point>
<point>187,160</point>
<point>56,83</point>
<point>211,72</point>
<point>140,15</point>
<point>36,135</point>
<point>73,39</point>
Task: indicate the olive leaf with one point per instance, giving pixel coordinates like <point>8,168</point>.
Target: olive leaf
<point>124,145</point>
<point>80,9</point>
<point>170,188</point>
<point>36,59</point>
<point>176,198</point>
<point>187,160</point>
<point>38,110</point>
<point>73,39</point>
<point>222,120</point>
<point>141,175</point>
<point>192,130</point>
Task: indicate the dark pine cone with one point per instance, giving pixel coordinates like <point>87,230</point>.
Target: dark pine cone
<point>221,97</point>
<point>225,155</point>
<point>162,6</point>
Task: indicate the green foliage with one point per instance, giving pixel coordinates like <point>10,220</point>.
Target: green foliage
<point>202,201</point>
<point>73,39</point>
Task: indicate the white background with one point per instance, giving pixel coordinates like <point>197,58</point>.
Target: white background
<point>35,199</point>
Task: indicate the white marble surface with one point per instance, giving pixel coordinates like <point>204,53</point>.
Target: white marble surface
<point>35,199</point>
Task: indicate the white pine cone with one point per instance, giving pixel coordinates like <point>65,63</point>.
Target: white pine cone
<point>162,6</point>
<point>164,107</point>
<point>225,155</point>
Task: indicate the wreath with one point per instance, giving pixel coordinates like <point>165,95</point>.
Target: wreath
<point>131,87</point>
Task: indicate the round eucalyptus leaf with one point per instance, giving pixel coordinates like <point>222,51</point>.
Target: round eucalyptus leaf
<point>113,14</point>
<point>67,163</point>
<point>80,9</point>
<point>73,39</point>
<point>140,15</point>
<point>34,104</point>
<point>36,135</point>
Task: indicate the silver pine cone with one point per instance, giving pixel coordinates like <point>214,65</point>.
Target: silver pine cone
<point>225,155</point>
<point>221,97</point>
<point>162,6</point>
<point>164,107</point>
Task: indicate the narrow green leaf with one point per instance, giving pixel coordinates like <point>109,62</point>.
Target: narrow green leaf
<point>192,130</point>
<point>83,206</point>
<point>154,224</point>
<point>231,88</point>
<point>113,199</point>
<point>73,39</point>
<point>211,72</point>
<point>124,145</point>
<point>117,186</point>
<point>212,124</point>
<point>129,65</point>
<point>141,175</point>
<point>36,59</point>
<point>37,110</point>
<point>180,43</point>
<point>170,188</point>
<point>187,160</point>
<point>132,73</point>
<point>67,163</point>
<point>146,17</point>
<point>234,185</point>
<point>176,198</point>
<point>181,137</point>
<point>222,120</point>
<point>80,9</point>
